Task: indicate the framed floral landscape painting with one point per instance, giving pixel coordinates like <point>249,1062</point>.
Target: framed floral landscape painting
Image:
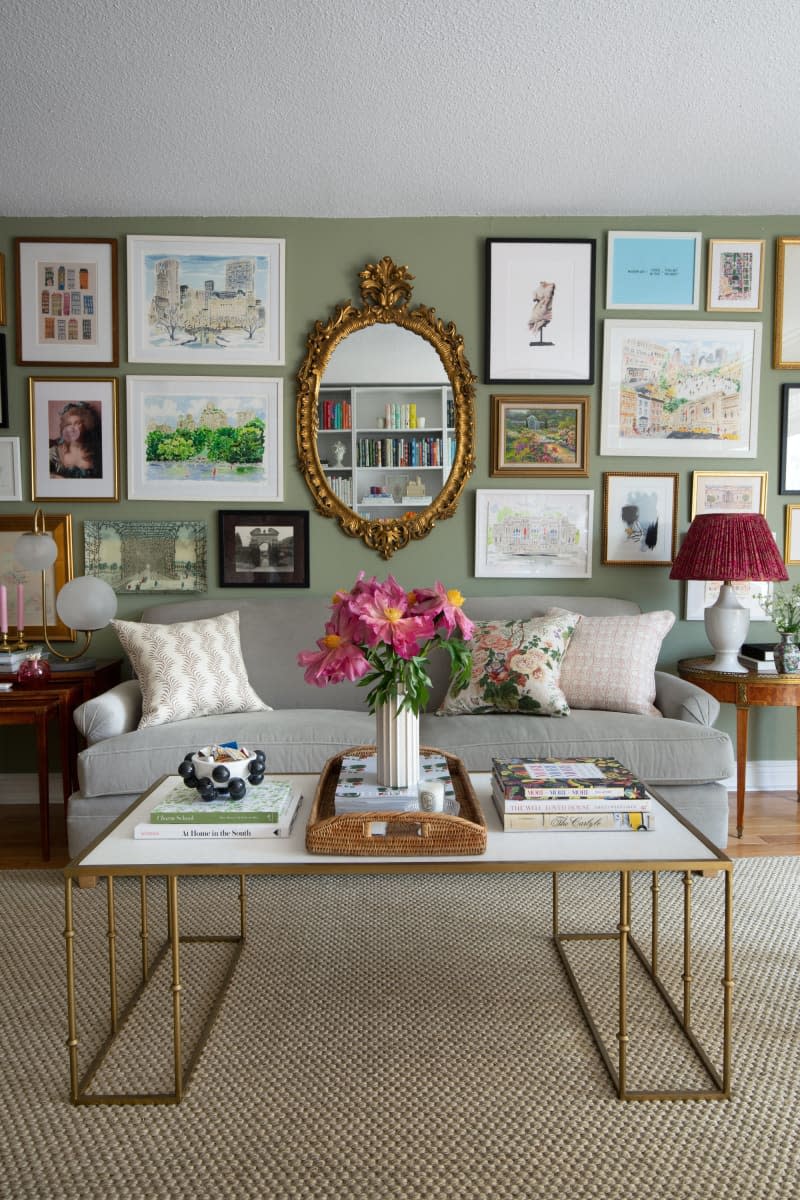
<point>540,435</point>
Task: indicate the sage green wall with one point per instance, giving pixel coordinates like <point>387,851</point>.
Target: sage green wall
<point>446,257</point>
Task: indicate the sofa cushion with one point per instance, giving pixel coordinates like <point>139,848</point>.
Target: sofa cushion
<point>610,662</point>
<point>189,669</point>
<point>515,668</point>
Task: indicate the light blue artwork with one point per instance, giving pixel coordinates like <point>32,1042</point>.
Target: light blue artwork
<point>653,270</point>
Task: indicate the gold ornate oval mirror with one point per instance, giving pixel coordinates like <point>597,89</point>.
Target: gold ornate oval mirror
<point>385,421</point>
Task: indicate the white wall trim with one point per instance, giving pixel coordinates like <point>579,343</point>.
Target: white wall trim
<point>768,775</point>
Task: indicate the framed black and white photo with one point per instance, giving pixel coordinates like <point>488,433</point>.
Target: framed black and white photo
<point>640,518</point>
<point>263,548</point>
<point>540,310</point>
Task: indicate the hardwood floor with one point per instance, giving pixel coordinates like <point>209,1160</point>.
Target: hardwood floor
<point>772,827</point>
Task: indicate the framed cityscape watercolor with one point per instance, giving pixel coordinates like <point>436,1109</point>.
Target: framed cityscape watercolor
<point>539,435</point>
<point>735,275</point>
<point>680,390</point>
<point>67,302</point>
<point>540,310</point>
<point>74,439</point>
<point>204,438</point>
<point>640,518</point>
<point>729,492</point>
<point>653,270</point>
<point>146,556</point>
<point>202,301</point>
<point>263,548</point>
<point>533,534</point>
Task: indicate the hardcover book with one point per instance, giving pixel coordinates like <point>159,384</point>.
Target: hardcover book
<point>574,778</point>
<point>145,831</point>
<point>762,665</point>
<point>563,804</point>
<point>358,790</point>
<point>620,821</point>
<point>765,651</point>
<point>267,803</point>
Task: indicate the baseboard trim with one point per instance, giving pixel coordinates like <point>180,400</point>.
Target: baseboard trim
<point>768,775</point>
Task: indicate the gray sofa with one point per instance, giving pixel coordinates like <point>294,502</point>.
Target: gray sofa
<point>680,754</point>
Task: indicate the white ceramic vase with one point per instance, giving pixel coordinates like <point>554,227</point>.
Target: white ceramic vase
<point>397,741</point>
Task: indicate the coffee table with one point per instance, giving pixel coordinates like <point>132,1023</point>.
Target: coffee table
<point>673,846</point>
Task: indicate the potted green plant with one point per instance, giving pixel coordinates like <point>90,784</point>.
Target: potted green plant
<point>783,609</point>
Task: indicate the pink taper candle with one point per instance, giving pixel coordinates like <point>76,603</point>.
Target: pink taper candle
<point>3,609</point>
<point>20,606</point>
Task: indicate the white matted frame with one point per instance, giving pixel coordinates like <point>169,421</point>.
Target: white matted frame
<point>533,534</point>
<point>205,438</point>
<point>786,336</point>
<point>10,469</point>
<point>60,468</point>
<point>206,301</point>
<point>653,270</point>
<point>640,518</point>
<point>790,439</point>
<point>791,554</point>
<point>67,302</point>
<point>729,492</point>
<point>735,275</point>
<point>680,389</point>
<point>701,594</point>
<point>540,310</point>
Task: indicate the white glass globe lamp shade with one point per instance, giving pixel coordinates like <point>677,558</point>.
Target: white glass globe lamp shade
<point>35,551</point>
<point>86,603</point>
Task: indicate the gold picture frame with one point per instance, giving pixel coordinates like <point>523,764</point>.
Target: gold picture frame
<point>640,518</point>
<point>791,550</point>
<point>728,492</point>
<point>86,470</point>
<point>539,435</point>
<point>60,573</point>
<point>3,318</point>
<point>786,332</point>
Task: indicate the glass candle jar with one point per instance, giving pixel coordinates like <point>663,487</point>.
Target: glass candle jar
<point>34,671</point>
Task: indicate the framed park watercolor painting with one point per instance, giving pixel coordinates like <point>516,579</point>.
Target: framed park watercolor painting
<point>653,270</point>
<point>539,435</point>
<point>680,390</point>
<point>640,518</point>
<point>533,534</point>
<point>204,438</point>
<point>735,275</point>
<point>729,492</point>
<point>540,310</point>
<point>67,302</point>
<point>263,548</point>
<point>74,439</point>
<point>202,301</point>
<point>146,556</point>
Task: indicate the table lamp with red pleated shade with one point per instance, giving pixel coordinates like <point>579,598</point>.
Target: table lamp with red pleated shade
<point>729,547</point>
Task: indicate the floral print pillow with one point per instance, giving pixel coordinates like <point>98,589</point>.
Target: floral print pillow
<point>515,668</point>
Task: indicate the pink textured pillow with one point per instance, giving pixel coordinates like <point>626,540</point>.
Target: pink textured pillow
<point>610,662</point>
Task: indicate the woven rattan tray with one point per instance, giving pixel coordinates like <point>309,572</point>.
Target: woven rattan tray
<point>391,833</point>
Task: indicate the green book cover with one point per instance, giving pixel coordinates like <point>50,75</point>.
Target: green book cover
<point>176,804</point>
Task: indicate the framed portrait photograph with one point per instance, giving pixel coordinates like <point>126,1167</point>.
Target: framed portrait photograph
<point>74,439</point>
<point>790,439</point>
<point>67,302</point>
<point>540,310</point>
<point>735,275</point>
<point>729,492</point>
<point>786,334</point>
<point>10,469</point>
<point>146,556</point>
<point>204,438</point>
<point>680,390</point>
<point>640,518</point>
<point>263,548</point>
<point>202,301</point>
<point>653,270</point>
<point>11,574</point>
<point>533,534</point>
<point>3,383</point>
<point>791,553</point>
<point>539,435</point>
<point>701,594</point>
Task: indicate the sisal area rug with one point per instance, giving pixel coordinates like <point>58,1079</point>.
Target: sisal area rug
<point>401,1037</point>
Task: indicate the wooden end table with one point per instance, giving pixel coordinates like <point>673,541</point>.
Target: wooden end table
<point>748,689</point>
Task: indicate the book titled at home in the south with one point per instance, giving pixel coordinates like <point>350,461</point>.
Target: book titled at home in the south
<point>270,803</point>
<point>523,778</point>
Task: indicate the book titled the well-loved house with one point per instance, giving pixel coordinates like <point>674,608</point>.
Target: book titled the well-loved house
<point>518,780</point>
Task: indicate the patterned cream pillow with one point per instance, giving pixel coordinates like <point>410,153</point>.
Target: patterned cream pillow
<point>610,662</point>
<point>515,668</point>
<point>189,669</point>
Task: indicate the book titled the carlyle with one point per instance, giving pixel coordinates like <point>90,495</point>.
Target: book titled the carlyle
<point>519,779</point>
<point>271,806</point>
<point>358,790</point>
<point>622,822</point>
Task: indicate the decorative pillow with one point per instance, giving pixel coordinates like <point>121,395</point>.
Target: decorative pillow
<point>610,662</point>
<point>515,668</point>
<point>189,669</point>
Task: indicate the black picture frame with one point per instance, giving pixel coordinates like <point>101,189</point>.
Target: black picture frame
<point>790,456</point>
<point>259,561</point>
<point>3,384</point>
<point>541,290</point>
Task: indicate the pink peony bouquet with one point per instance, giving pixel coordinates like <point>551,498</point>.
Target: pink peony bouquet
<point>380,635</point>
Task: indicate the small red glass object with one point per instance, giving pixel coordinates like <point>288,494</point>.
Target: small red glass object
<point>33,671</point>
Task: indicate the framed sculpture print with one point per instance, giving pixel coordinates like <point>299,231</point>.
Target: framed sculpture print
<point>640,518</point>
<point>59,525</point>
<point>533,534</point>
<point>10,469</point>
<point>146,556</point>
<point>540,435</point>
<point>735,275</point>
<point>74,439</point>
<point>729,492</point>
<point>790,439</point>
<point>540,310</point>
<point>786,337</point>
<point>67,302</point>
<point>202,301</point>
<point>653,270</point>
<point>791,554</point>
<point>680,390</point>
<point>204,438</point>
<point>259,548</point>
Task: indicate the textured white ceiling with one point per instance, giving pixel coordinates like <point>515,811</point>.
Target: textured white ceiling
<point>398,107</point>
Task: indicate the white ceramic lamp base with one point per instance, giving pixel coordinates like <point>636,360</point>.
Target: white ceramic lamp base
<point>727,622</point>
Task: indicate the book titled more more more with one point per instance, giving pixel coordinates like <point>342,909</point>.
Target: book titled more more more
<point>519,779</point>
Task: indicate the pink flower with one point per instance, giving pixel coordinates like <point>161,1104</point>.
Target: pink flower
<point>385,615</point>
<point>445,606</point>
<point>334,661</point>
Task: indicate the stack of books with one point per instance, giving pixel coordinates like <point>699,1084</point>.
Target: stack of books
<point>267,810</point>
<point>358,790</point>
<point>758,656</point>
<point>573,794</point>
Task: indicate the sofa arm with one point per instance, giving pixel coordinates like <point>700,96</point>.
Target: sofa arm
<point>116,711</point>
<point>678,698</point>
